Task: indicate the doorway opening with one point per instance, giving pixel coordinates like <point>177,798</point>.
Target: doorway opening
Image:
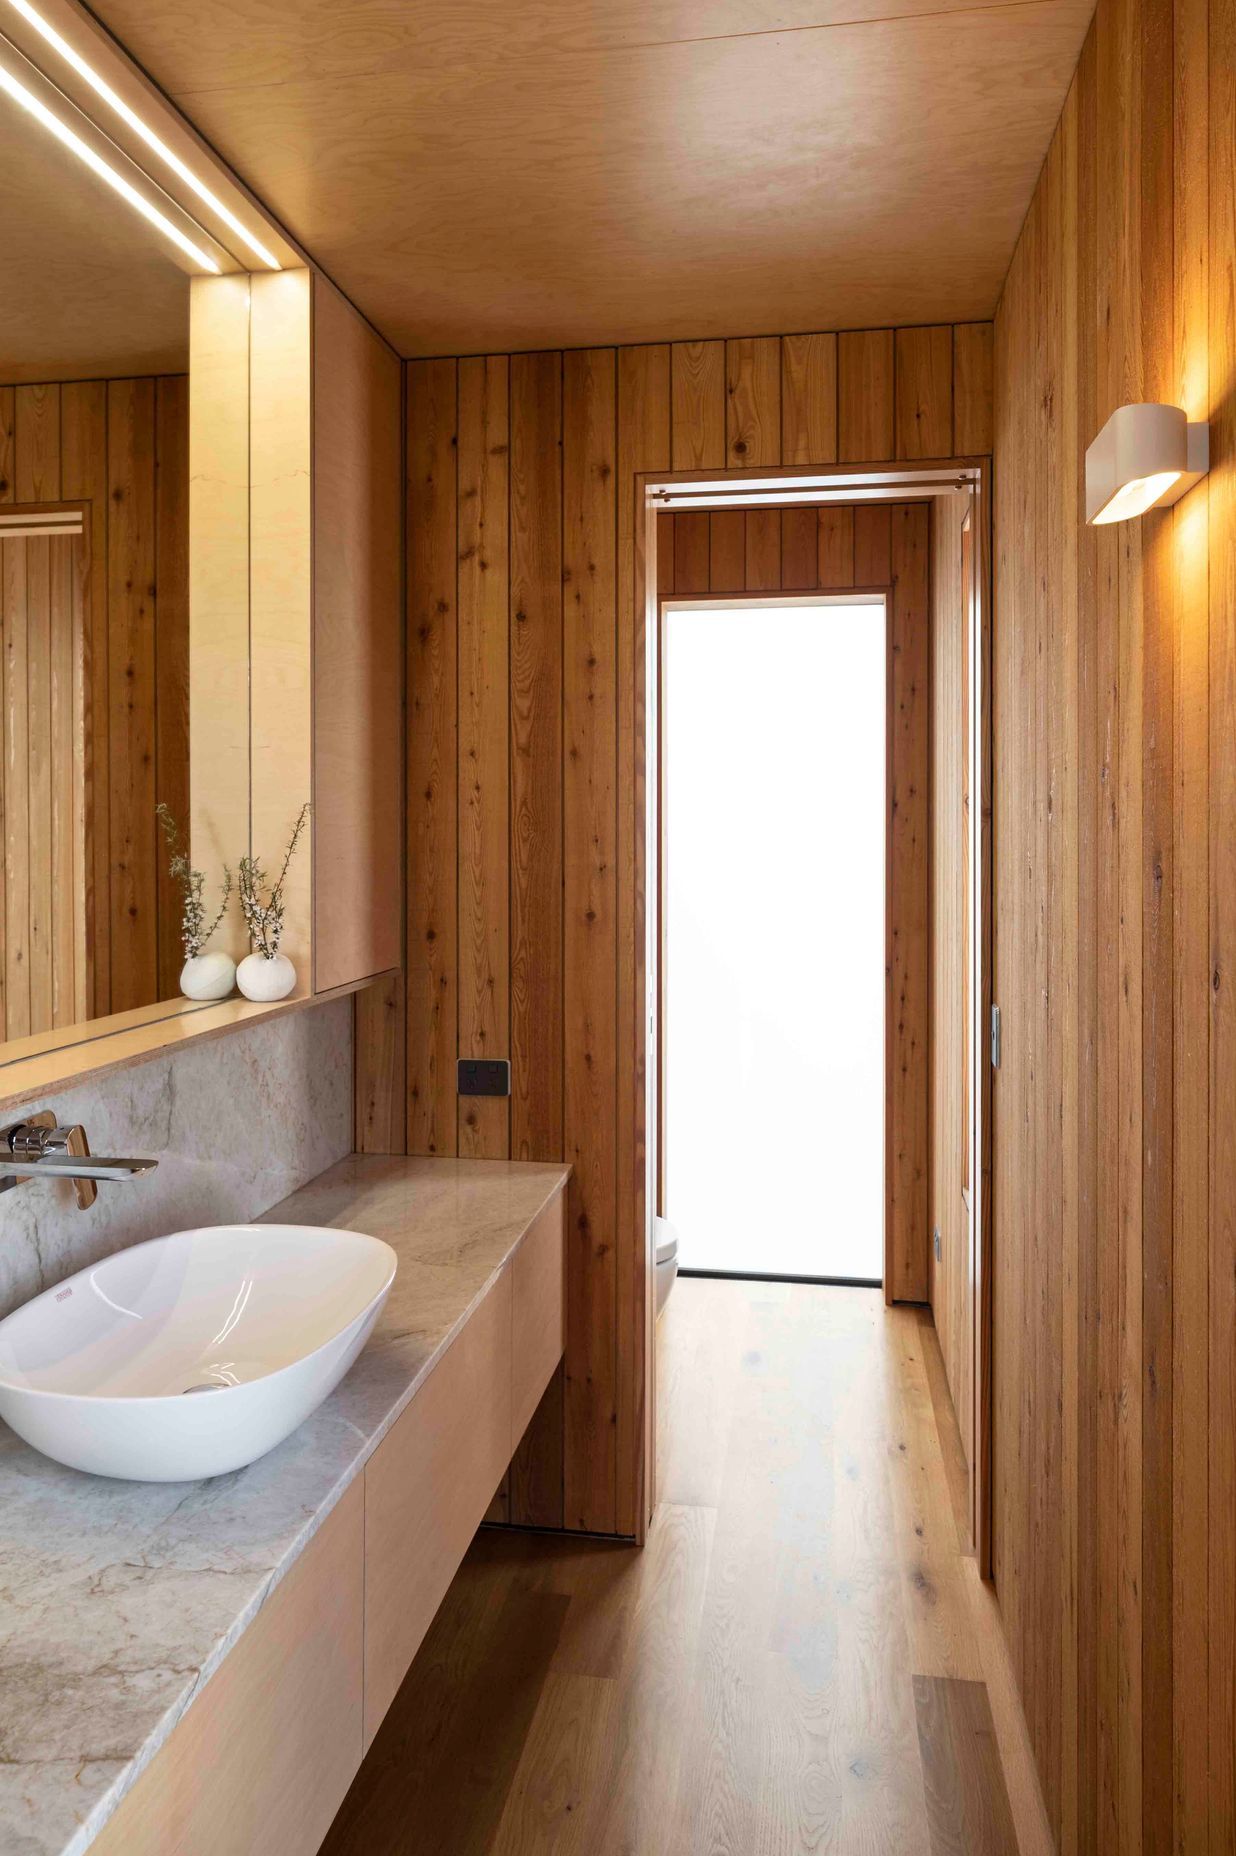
<point>912,542</point>
<point>773,805</point>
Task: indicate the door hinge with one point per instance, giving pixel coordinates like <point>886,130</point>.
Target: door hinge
<point>995,1037</point>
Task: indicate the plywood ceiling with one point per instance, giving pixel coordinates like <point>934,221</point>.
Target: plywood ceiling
<point>507,176</point>
<point>87,289</point>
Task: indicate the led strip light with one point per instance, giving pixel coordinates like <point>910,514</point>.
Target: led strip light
<point>154,142</point>
<point>71,140</point>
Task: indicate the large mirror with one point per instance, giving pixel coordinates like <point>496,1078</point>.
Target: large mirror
<point>94,581</point>
<point>156,534</point>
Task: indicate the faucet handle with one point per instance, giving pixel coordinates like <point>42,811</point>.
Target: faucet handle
<point>72,1143</point>
<point>40,1135</point>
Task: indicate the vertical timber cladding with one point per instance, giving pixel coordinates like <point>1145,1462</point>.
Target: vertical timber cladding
<point>523,886</point>
<point>1114,1495</point>
<point>120,447</point>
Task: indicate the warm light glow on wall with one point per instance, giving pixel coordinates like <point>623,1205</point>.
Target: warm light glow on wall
<point>1145,455</point>
<point>103,89</point>
<point>115,180</point>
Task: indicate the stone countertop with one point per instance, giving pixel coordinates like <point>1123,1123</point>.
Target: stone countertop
<point>119,1599</point>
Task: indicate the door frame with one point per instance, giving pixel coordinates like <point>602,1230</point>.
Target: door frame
<point>639,764</point>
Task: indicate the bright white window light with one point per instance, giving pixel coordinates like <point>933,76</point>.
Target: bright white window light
<point>154,142</point>
<point>1145,455</point>
<point>70,139</point>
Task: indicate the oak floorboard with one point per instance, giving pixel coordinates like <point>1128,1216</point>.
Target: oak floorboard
<point>967,1804</point>
<point>474,1690</point>
<point>800,1660</point>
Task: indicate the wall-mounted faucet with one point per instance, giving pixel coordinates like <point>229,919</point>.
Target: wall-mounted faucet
<point>37,1148</point>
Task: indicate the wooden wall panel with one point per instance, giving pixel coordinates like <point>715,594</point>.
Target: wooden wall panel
<point>131,609</point>
<point>808,399</point>
<point>533,1491</point>
<point>949,1276</point>
<point>800,553</point>
<point>171,653</point>
<point>13,559</point>
<point>37,474</point>
<point>8,440</point>
<point>908,906</point>
<point>753,401</point>
<point>727,551</point>
<point>873,544</point>
<point>692,548</point>
<point>924,392</point>
<point>865,396</point>
<point>574,642</point>
<point>1114,1483</point>
<point>589,827</point>
<point>41,744</point>
<point>763,551</point>
<point>536,757</point>
<point>83,477</point>
<point>96,686</point>
<point>644,419</point>
<point>697,374</point>
<point>972,367</point>
<point>67,768</point>
<point>484,755</point>
<point>379,1115</point>
<point>432,722</point>
<point>835,546</point>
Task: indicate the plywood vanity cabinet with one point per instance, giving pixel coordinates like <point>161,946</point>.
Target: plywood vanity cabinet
<point>429,1483</point>
<point>263,1758</point>
<point>267,1751</point>
<point>538,1314</point>
<point>427,1487</point>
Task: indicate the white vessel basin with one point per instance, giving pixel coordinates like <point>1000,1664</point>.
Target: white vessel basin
<point>193,1354</point>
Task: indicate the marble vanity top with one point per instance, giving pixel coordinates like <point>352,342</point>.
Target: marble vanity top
<point>118,1600</point>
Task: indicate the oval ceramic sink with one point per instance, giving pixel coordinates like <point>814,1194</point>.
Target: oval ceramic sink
<point>194,1354</point>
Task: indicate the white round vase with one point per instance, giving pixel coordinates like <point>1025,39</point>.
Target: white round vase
<point>208,976</point>
<point>262,980</point>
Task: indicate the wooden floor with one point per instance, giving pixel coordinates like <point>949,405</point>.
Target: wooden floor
<point>801,1659</point>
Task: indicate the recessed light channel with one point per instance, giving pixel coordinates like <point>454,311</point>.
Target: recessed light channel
<point>154,142</point>
<point>71,140</point>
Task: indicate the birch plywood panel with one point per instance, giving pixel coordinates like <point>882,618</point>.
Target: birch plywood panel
<point>357,643</point>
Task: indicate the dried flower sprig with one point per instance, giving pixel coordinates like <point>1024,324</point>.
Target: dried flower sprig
<point>195,931</point>
<point>264,918</point>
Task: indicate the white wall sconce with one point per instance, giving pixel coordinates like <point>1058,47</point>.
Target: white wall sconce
<point>1145,455</point>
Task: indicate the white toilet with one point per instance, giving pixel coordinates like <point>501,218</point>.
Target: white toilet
<point>667,1259</point>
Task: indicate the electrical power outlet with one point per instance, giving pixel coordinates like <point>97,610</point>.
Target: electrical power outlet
<point>483,1076</point>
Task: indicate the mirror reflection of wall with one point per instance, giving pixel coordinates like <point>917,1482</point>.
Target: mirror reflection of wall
<point>94,700</point>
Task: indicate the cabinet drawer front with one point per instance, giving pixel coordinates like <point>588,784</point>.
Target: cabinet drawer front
<point>264,1757</point>
<point>538,1333</point>
<point>427,1488</point>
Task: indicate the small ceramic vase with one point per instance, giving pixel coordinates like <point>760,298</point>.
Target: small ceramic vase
<point>263,980</point>
<point>208,976</point>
